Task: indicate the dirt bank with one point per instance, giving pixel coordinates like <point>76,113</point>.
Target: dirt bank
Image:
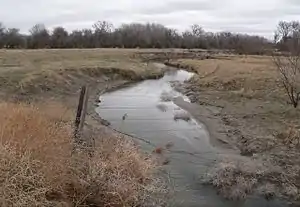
<point>206,115</point>
<point>245,109</point>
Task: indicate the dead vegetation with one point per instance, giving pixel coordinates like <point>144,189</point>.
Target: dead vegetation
<point>166,96</point>
<point>288,65</point>
<point>237,179</point>
<point>162,107</point>
<point>38,164</point>
<point>233,181</point>
<point>38,167</point>
<point>182,115</point>
<point>27,72</point>
<point>258,120</point>
<point>233,73</point>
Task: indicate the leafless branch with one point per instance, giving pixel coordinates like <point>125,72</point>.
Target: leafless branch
<point>287,40</point>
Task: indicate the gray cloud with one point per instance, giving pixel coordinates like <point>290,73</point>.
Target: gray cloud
<point>255,16</point>
<point>293,2</point>
<point>181,6</point>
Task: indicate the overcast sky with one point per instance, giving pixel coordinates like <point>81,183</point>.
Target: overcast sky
<point>246,16</point>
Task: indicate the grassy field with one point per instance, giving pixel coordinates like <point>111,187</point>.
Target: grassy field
<point>245,87</point>
<point>259,121</point>
<point>27,72</point>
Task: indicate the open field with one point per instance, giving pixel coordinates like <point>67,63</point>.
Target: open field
<point>246,94</point>
<point>27,72</point>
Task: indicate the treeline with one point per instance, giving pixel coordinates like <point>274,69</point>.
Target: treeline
<point>134,35</point>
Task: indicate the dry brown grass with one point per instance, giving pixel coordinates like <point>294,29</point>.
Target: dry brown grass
<point>44,60</point>
<point>232,180</point>
<point>31,71</point>
<point>234,72</point>
<point>290,137</point>
<point>258,121</point>
<point>166,96</point>
<point>239,178</point>
<point>39,169</point>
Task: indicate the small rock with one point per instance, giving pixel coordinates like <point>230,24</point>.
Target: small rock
<point>124,116</point>
<point>169,145</point>
<point>105,122</point>
<point>166,162</point>
<point>158,150</point>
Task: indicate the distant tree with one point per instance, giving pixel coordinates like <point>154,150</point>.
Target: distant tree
<point>210,40</point>
<point>197,30</point>
<point>287,39</point>
<point>163,36</point>
<point>13,39</point>
<point>39,37</point>
<point>102,34</point>
<point>188,40</point>
<point>200,36</point>
<point>88,38</point>
<point>173,38</point>
<point>133,35</point>
<point>59,38</point>
<point>2,35</point>
<point>146,36</point>
<point>76,39</point>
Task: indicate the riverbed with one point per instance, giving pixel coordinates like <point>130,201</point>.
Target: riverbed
<point>147,110</point>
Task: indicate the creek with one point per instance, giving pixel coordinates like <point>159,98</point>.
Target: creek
<point>146,110</point>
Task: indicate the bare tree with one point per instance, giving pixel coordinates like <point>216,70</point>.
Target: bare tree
<point>13,39</point>
<point>39,38</point>
<point>102,33</point>
<point>134,35</point>
<point>76,39</point>
<point>188,40</point>
<point>197,30</point>
<point>2,35</point>
<point>287,38</point>
<point>59,38</point>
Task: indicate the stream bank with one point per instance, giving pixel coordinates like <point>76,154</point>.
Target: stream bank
<point>149,110</point>
<point>243,171</point>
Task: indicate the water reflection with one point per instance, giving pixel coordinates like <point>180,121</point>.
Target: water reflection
<point>160,121</point>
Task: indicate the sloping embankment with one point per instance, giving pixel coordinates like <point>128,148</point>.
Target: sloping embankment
<point>22,86</point>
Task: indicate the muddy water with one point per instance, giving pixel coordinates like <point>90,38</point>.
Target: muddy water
<point>140,111</point>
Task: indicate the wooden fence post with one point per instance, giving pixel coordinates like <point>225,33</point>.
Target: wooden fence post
<point>79,114</point>
<point>84,109</point>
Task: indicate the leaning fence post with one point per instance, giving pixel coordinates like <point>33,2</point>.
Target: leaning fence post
<point>84,109</point>
<point>79,113</point>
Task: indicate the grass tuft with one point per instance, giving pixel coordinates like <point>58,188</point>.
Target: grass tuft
<point>233,181</point>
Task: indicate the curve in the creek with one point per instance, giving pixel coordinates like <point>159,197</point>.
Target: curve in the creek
<point>146,110</point>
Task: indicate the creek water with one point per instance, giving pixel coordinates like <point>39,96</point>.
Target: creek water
<point>143,110</point>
